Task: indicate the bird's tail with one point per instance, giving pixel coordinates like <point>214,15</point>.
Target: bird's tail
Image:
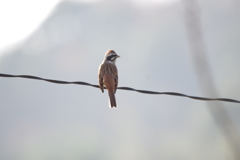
<point>112,100</point>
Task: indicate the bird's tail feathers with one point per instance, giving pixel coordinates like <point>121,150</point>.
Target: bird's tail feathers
<point>112,100</point>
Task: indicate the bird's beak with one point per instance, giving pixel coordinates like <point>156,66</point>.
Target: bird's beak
<point>118,56</point>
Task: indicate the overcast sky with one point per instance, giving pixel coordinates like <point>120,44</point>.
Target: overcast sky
<point>19,18</point>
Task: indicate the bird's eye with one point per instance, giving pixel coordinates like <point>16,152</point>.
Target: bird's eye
<point>111,58</point>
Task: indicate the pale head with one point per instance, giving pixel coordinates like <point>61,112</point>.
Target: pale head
<point>111,56</point>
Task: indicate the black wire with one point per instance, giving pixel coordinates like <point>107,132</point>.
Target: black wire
<point>123,88</point>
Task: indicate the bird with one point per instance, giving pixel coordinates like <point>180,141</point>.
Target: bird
<point>108,76</point>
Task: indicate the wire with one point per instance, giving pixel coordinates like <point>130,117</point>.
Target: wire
<point>122,88</point>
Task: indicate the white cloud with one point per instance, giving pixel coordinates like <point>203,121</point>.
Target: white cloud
<point>19,18</point>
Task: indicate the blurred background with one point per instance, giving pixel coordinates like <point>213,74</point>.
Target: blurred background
<point>185,46</point>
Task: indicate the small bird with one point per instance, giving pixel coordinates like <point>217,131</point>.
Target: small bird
<point>108,76</point>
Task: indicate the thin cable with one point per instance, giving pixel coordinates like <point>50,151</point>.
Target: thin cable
<point>122,88</point>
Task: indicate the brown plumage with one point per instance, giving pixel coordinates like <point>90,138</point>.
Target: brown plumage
<point>108,76</point>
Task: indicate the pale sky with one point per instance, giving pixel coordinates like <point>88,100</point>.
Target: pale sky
<point>19,18</point>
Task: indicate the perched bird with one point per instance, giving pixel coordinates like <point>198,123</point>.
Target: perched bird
<point>108,76</point>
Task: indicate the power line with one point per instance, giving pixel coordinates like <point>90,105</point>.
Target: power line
<point>122,88</point>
